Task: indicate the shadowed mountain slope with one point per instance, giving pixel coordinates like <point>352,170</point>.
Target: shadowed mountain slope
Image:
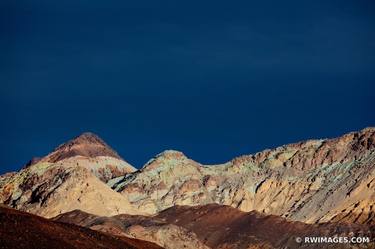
<point>25,231</point>
<point>227,227</point>
<point>217,226</point>
<point>146,228</point>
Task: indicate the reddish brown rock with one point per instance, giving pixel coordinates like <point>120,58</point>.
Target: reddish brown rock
<point>25,231</point>
<point>219,226</point>
<point>87,145</point>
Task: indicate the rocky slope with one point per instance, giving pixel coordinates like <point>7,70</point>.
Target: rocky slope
<point>71,177</point>
<point>216,226</point>
<point>25,231</point>
<point>312,181</point>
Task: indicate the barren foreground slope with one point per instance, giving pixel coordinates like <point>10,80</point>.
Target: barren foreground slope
<point>25,231</point>
<point>216,226</point>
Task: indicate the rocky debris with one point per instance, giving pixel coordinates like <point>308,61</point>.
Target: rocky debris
<point>217,226</point>
<point>25,231</point>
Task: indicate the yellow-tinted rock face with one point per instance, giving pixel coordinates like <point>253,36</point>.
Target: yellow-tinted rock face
<point>49,190</point>
<point>72,177</point>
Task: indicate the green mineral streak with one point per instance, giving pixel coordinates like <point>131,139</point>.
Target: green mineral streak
<point>286,155</point>
<point>252,167</point>
<point>120,186</point>
<point>327,169</point>
<point>18,178</point>
<point>251,189</point>
<point>16,194</point>
<point>114,181</point>
<point>40,168</point>
<point>292,178</point>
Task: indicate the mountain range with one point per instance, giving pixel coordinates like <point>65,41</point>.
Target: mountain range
<point>322,187</point>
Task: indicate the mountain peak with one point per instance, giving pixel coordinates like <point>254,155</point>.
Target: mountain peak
<point>87,144</point>
<point>171,154</point>
<point>89,138</point>
<point>165,157</point>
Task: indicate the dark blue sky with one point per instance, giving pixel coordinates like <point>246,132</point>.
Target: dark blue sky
<point>215,79</point>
